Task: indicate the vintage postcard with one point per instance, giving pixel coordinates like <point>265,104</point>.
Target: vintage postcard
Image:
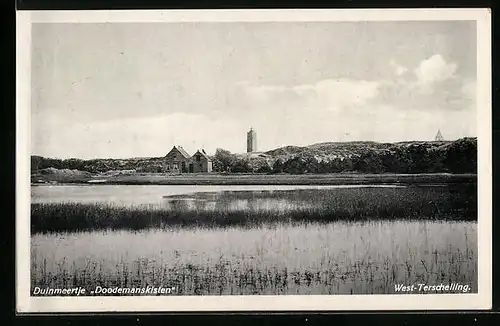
<point>253,160</point>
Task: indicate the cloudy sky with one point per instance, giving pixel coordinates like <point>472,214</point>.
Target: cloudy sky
<point>137,89</point>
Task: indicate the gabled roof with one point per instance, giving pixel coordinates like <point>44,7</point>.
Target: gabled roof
<point>180,150</point>
<point>183,152</point>
<point>202,153</point>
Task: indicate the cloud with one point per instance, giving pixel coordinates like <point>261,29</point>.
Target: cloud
<point>404,106</point>
<point>433,86</point>
<point>135,137</point>
<point>399,70</point>
<point>154,136</point>
<point>433,70</point>
<point>469,89</point>
<point>332,94</point>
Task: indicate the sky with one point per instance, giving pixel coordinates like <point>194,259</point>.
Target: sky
<point>119,90</point>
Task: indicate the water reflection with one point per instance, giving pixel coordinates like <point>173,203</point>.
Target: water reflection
<point>132,195</point>
<point>231,201</point>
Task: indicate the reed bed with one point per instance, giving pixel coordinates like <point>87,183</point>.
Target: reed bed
<point>306,258</point>
<point>450,202</point>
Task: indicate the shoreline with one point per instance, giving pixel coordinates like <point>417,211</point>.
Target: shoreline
<point>263,179</point>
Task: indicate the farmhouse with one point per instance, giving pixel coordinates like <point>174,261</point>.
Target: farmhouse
<point>199,162</point>
<point>176,160</point>
<point>179,161</point>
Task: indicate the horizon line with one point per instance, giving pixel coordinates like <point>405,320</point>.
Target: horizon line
<point>260,151</point>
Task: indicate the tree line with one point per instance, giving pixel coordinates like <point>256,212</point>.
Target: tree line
<point>456,157</point>
<point>459,156</point>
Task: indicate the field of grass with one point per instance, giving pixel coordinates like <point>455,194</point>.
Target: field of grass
<point>450,202</point>
<point>264,179</point>
<point>306,258</point>
<point>284,179</point>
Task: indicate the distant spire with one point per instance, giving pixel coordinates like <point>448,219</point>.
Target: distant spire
<point>439,137</point>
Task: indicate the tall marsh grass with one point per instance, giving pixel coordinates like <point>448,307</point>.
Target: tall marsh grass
<point>307,258</point>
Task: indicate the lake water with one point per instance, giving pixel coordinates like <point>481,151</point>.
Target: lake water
<point>152,194</point>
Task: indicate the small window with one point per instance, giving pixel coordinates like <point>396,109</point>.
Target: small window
<point>176,166</point>
<point>198,158</point>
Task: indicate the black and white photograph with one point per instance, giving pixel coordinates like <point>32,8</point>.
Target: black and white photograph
<point>253,160</point>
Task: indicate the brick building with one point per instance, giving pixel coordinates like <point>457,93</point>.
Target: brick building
<point>179,161</point>
<point>199,162</point>
<point>176,160</point>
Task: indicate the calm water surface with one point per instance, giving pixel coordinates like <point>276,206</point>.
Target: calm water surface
<point>151,194</point>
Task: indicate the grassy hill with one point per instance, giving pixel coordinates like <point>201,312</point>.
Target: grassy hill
<point>458,156</point>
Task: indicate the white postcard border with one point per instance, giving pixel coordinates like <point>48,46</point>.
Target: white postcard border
<point>482,300</point>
